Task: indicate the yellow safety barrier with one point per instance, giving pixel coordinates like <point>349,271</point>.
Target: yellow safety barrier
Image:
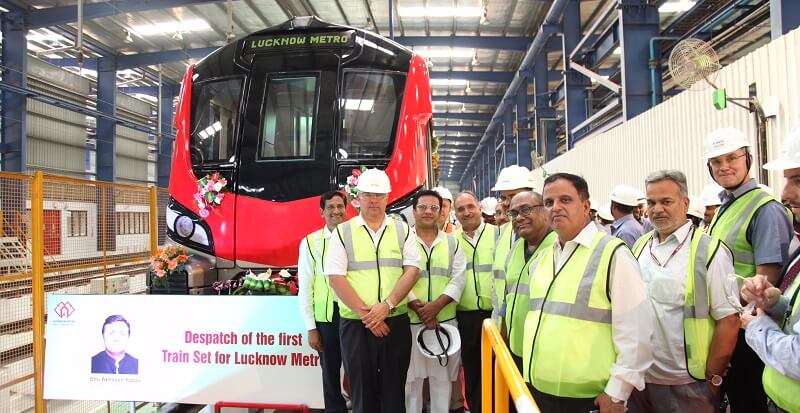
<point>69,236</point>
<point>507,379</point>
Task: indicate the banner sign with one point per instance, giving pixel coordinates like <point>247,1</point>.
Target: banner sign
<point>179,348</point>
<point>305,40</point>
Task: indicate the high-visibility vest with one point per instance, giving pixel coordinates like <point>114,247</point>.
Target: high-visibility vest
<point>730,226</point>
<point>698,325</point>
<point>569,346</point>
<point>373,273</point>
<point>504,243</point>
<point>435,275</point>
<point>321,292</point>
<point>785,391</point>
<point>516,289</point>
<point>478,292</point>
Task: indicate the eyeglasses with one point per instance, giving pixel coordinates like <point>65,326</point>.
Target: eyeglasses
<point>523,212</point>
<point>423,208</point>
<point>718,162</point>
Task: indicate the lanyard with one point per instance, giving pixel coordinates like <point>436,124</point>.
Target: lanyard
<point>675,251</point>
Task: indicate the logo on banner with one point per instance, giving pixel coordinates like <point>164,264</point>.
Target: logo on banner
<point>64,309</point>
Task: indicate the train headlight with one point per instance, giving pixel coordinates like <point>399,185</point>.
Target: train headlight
<point>184,226</point>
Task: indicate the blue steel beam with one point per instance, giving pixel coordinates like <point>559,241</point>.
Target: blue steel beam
<point>475,117</point>
<point>605,44</point>
<point>14,61</point>
<point>523,132</point>
<point>477,42</point>
<point>499,77</point>
<point>638,23</point>
<point>784,16</point>
<point>106,128</point>
<point>55,16</point>
<point>546,141</point>
<point>575,90</point>
<point>166,140</point>
<point>509,140</point>
<point>492,164</point>
<point>475,100</point>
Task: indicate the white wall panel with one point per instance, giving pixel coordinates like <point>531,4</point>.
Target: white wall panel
<point>671,134</point>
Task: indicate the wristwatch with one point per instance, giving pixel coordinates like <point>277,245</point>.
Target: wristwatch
<point>715,380</point>
<point>391,306</point>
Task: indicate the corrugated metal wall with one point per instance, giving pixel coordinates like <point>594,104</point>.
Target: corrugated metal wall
<point>671,134</point>
<point>131,161</point>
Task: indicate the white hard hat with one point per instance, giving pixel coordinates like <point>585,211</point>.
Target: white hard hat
<point>710,195</point>
<point>696,207</point>
<point>604,212</point>
<point>789,157</point>
<point>375,181</point>
<point>444,193</point>
<point>625,195</point>
<point>439,343</point>
<point>488,205</point>
<point>593,205</point>
<point>513,177</point>
<point>722,141</point>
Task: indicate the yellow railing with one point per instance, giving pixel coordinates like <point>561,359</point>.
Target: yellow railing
<point>507,379</point>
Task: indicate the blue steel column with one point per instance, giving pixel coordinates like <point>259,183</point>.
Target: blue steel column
<point>491,171</point>
<point>523,131</point>
<point>546,140</point>
<point>638,23</point>
<point>574,83</point>
<point>15,146</point>
<point>784,16</point>
<point>508,135</point>
<point>167,139</point>
<point>106,132</point>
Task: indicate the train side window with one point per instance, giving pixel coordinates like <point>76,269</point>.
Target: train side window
<point>370,106</point>
<point>215,110</point>
<point>287,124</point>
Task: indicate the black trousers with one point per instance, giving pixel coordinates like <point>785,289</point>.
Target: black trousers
<point>331,363</point>
<point>377,366</point>
<point>469,327</point>
<point>553,404</point>
<point>743,381</point>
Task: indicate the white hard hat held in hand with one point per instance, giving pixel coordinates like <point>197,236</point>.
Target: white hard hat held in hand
<point>724,140</point>
<point>375,181</point>
<point>513,177</point>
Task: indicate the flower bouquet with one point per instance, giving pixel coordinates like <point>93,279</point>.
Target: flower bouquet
<point>350,187</point>
<point>267,283</point>
<point>210,192</point>
<point>168,260</point>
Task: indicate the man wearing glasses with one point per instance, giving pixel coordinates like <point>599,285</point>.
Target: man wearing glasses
<point>373,263</point>
<point>530,223</point>
<point>696,322</point>
<point>756,227</point>
<point>432,302</point>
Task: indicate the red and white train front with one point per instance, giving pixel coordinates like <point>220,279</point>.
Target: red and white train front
<point>284,115</point>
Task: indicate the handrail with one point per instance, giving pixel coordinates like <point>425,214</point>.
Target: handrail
<point>507,379</point>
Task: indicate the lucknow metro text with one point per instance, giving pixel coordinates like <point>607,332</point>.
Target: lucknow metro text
<point>254,358</point>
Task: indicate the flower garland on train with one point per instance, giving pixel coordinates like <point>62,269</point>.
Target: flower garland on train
<point>350,186</point>
<point>210,193</point>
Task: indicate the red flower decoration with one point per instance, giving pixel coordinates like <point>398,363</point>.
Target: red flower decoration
<point>356,172</point>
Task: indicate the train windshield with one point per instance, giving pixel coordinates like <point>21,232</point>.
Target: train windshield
<point>370,106</point>
<point>215,110</point>
<point>288,119</point>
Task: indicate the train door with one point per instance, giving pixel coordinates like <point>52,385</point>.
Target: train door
<point>285,152</point>
<point>52,232</point>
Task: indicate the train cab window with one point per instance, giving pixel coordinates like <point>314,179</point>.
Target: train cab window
<point>287,124</point>
<point>215,110</point>
<point>370,106</point>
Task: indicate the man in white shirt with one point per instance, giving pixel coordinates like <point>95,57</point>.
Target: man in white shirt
<point>687,274</point>
<point>587,334</point>
<point>432,302</point>
<point>372,264</point>
<point>318,305</point>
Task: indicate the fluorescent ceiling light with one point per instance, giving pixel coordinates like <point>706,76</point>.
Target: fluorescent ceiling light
<point>359,104</point>
<point>45,36</point>
<point>447,103</point>
<point>172,27</point>
<point>449,82</point>
<point>437,52</point>
<point>618,51</point>
<point>440,11</point>
<point>676,6</point>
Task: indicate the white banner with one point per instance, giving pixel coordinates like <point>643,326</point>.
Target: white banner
<point>176,348</point>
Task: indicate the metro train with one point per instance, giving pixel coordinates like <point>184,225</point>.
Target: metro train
<point>284,115</point>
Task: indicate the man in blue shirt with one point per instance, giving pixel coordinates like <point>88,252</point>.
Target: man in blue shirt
<point>114,360</point>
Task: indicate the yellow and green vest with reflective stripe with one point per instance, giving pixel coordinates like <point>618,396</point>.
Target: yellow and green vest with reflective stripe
<point>478,291</point>
<point>502,249</point>
<point>437,269</point>
<point>321,291</point>
<point>785,391</point>
<point>568,341</point>
<point>516,289</point>
<point>730,226</point>
<point>372,272</point>
<point>698,325</point>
